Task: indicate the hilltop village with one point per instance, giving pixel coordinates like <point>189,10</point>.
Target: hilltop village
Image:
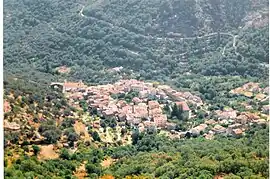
<point>145,106</point>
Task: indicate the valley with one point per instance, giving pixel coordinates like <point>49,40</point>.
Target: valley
<point>136,89</point>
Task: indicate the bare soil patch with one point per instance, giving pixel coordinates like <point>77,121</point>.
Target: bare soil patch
<point>47,152</point>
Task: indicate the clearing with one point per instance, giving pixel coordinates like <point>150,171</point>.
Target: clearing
<point>47,152</point>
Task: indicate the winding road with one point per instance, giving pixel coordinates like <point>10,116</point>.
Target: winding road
<point>169,38</point>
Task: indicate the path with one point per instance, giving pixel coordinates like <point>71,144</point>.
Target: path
<point>234,46</point>
<point>81,12</point>
<point>172,39</point>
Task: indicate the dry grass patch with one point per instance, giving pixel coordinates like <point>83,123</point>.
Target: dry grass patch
<point>79,128</point>
<point>107,162</point>
<point>80,172</point>
<point>47,152</point>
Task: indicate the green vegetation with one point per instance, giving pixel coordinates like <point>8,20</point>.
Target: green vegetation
<point>207,47</point>
<point>110,34</point>
<point>158,156</point>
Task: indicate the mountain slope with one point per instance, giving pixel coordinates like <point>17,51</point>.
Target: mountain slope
<point>158,40</point>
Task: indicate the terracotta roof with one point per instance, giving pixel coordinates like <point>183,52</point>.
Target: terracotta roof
<point>153,104</point>
<point>210,121</point>
<point>237,131</point>
<point>184,105</point>
<point>219,128</point>
<point>260,96</point>
<point>63,69</point>
<point>7,107</point>
<point>136,100</point>
<point>155,112</point>
<point>141,111</point>
<point>73,85</point>
<point>126,109</point>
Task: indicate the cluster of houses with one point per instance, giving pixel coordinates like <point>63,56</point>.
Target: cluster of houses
<point>142,111</point>
<point>228,122</point>
<point>252,90</point>
<point>145,113</point>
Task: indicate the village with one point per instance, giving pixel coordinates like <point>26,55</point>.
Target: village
<point>141,105</point>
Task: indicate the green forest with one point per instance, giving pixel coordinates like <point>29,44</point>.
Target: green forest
<point>207,47</point>
<point>153,156</point>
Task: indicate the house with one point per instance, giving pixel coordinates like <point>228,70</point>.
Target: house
<point>194,132</point>
<point>76,96</point>
<point>11,125</point>
<point>182,134</point>
<point>136,87</point>
<point>71,86</point>
<point>185,108</point>
<point>149,124</point>
<point>170,126</point>
<point>126,109</point>
<point>218,129</point>
<point>252,87</point>
<point>164,87</point>
<point>230,128</point>
<point>243,119</point>
<point>248,94</point>
<point>149,85</point>
<point>143,94</point>
<point>251,116</point>
<point>152,91</point>
<point>260,96</point>
<point>160,120</point>
<point>226,114</point>
<point>155,112</point>
<point>7,107</point>
<point>260,121</point>
<point>63,69</point>
<point>265,109</point>
<point>266,90</point>
<point>224,121</point>
<point>210,122</point>
<point>187,95</point>
<point>122,117</point>
<point>96,124</point>
<point>237,132</point>
<point>136,100</point>
<point>117,69</point>
<point>121,103</point>
<point>140,111</point>
<point>108,113</point>
<point>162,95</point>
<point>132,119</point>
<point>153,104</point>
<point>198,129</point>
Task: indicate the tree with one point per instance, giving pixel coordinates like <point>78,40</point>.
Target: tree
<point>123,131</point>
<point>64,154</point>
<point>51,136</point>
<point>93,169</point>
<point>177,111</point>
<point>135,137</point>
<point>36,149</point>
<point>95,136</point>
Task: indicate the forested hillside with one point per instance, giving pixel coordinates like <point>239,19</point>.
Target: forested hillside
<point>158,40</point>
<point>217,50</point>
